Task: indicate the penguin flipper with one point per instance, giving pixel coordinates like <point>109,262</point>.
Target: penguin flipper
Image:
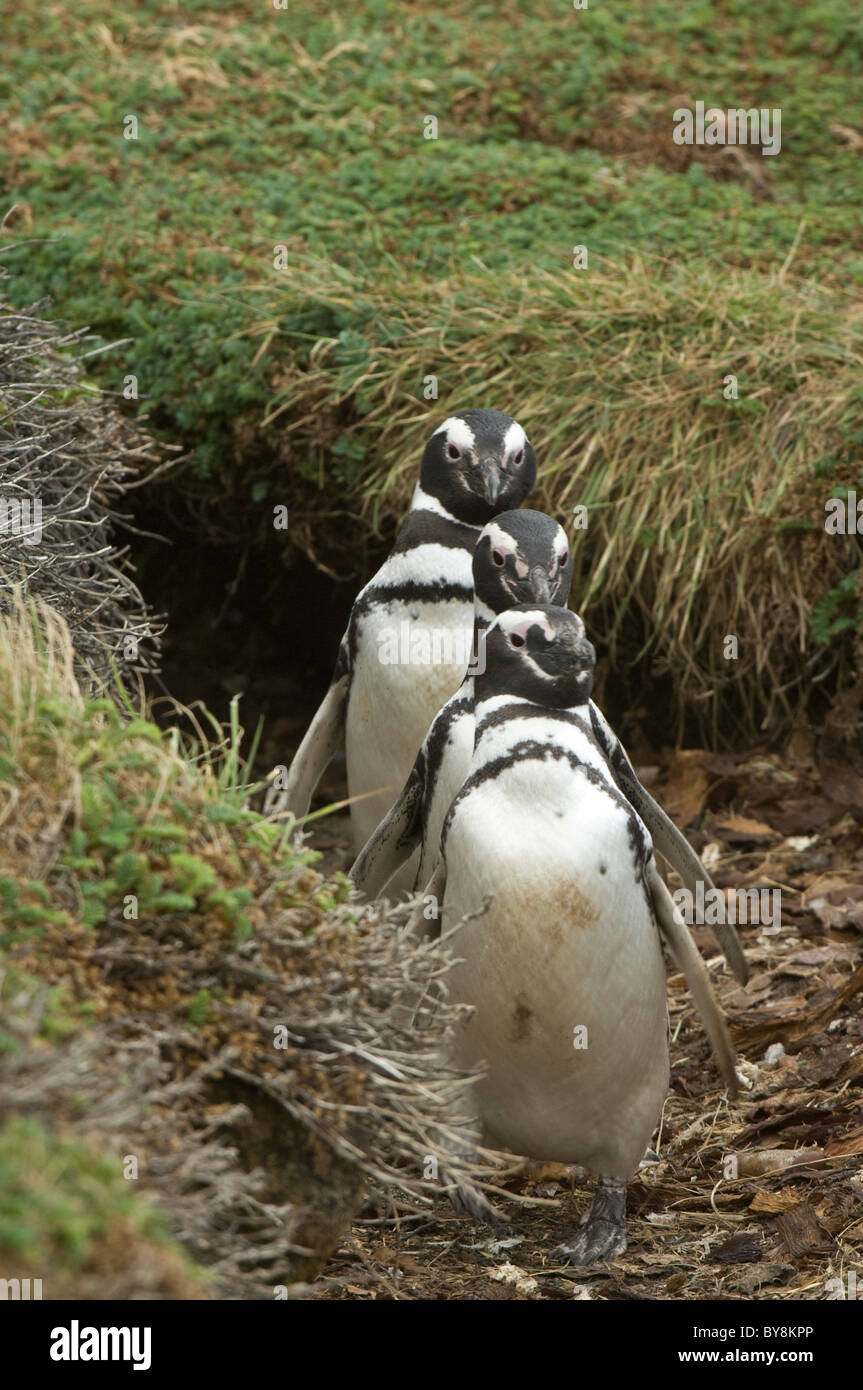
<point>419,926</point>
<point>675,847</point>
<point>395,839</point>
<point>682,947</point>
<point>319,744</point>
<point>667,839</point>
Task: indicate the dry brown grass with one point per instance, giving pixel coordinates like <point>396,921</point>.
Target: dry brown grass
<point>172,1006</point>
<point>705,514</point>
<point>68,457</point>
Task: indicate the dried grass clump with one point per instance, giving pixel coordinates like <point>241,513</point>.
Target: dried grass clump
<point>67,457</point>
<point>216,1008</point>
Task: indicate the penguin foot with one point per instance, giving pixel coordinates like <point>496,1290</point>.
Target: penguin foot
<point>602,1231</point>
<point>469,1200</point>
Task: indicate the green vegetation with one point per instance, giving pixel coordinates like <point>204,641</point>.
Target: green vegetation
<point>58,1016</point>
<point>409,257</point>
<point>57,1196</point>
<point>151,828</point>
<point>840,610</point>
<point>71,1219</point>
<point>259,126</point>
<point>178,985</point>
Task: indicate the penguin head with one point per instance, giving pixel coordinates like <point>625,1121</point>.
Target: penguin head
<point>521,557</point>
<point>477,464</point>
<point>537,653</point>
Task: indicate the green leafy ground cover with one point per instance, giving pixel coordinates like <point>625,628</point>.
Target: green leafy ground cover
<point>409,257</point>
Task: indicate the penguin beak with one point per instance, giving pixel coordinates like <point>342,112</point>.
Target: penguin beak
<point>490,478</point>
<point>540,585</point>
<point>584,653</point>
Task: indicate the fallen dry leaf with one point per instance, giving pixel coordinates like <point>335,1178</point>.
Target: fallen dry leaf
<point>836,902</point>
<point>685,790</point>
<point>740,829</point>
<point>744,1248</point>
<point>758,1162</point>
<point>756,1030</point>
<point>800,1231</point>
<point>776,1201</point>
<point>851,1144</point>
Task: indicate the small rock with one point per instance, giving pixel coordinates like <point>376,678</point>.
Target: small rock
<point>747,1074</point>
<point>521,1281</point>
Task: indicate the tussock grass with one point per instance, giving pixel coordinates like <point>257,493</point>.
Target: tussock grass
<point>156,936</point>
<point>407,256</point>
<point>67,457</point>
<point>705,514</point>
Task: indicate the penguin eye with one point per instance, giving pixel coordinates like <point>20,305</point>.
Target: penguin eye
<point>516,639</point>
<point>519,456</point>
<point>564,559</point>
<point>453,451</point>
<point>498,557</point>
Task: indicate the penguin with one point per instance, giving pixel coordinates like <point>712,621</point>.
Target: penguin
<point>550,871</point>
<point>521,556</point>
<point>409,634</point>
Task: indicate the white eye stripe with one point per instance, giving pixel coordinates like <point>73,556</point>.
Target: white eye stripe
<point>500,539</point>
<point>458,432</point>
<point>514,439</point>
<point>523,622</point>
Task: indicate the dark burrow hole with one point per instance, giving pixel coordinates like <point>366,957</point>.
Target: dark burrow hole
<point>240,621</point>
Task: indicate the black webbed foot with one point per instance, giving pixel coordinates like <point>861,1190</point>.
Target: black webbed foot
<point>602,1232</point>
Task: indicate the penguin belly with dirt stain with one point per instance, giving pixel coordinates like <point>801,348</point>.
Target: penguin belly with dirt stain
<point>562,963</point>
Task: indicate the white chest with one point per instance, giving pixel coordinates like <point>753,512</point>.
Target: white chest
<point>412,645</point>
<point>564,969</point>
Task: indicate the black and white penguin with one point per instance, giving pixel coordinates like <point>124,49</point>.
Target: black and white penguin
<point>520,557</point>
<point>409,636</point>
<point>551,872</point>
